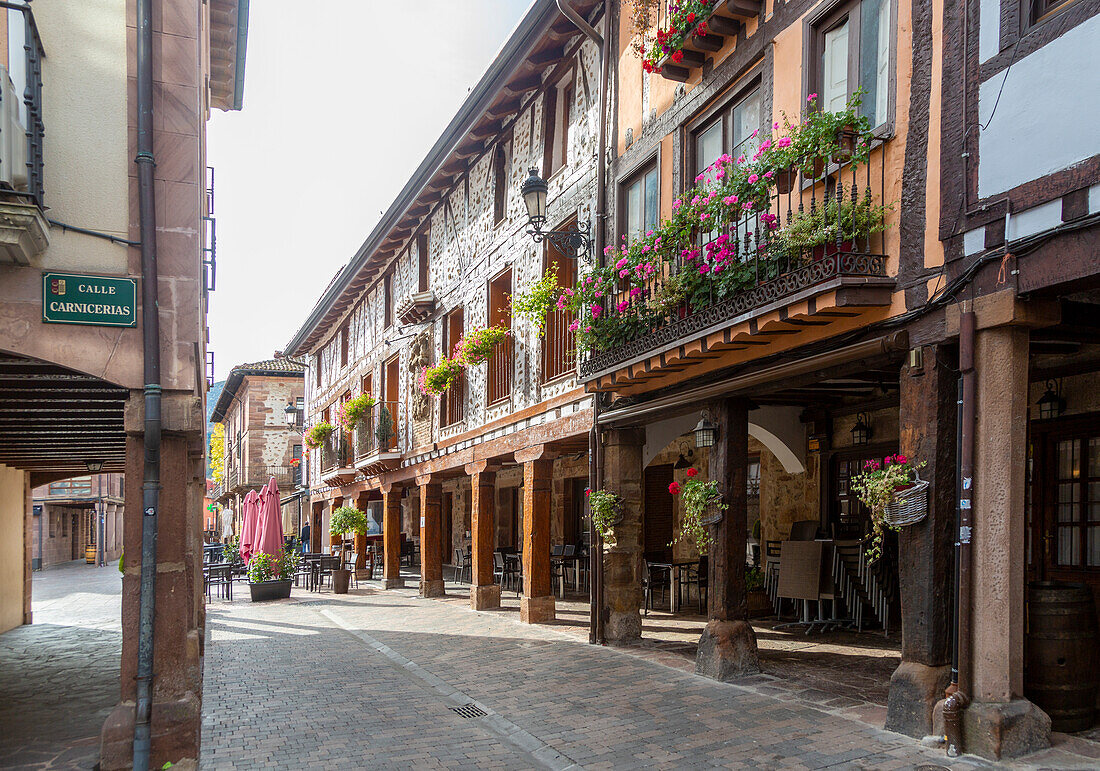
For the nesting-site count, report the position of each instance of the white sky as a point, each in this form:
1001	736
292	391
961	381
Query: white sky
342	100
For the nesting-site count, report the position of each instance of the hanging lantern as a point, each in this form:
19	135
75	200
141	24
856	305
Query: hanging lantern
1051	403
706	433
861	431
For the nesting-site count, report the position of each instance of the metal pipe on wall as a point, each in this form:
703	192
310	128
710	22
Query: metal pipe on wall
150	332
958	697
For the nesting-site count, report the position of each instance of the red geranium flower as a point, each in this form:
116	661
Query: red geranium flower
587	491
674	488
691	18
677	56
692	472
902	459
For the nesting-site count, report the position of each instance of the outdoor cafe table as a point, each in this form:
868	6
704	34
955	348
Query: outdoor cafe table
563	560
674	568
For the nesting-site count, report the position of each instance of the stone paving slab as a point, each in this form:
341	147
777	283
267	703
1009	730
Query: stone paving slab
369	678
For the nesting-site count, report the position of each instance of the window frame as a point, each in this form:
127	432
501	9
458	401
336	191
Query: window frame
423	242
502	161
721	111
555	318
557	115
814	28
387	299
1029	19
495	316
637	171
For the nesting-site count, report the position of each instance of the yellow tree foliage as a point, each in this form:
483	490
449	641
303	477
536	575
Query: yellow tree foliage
217	453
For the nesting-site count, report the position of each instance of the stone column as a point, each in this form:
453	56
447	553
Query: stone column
927	433
537	604
622	570
484	593
431	566
999	721
727	647
391	537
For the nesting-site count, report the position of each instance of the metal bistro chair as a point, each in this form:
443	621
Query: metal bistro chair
504	572
656	577
328	563
350	560
463	565
697	576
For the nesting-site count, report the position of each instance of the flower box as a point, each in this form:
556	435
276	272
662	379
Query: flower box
263	591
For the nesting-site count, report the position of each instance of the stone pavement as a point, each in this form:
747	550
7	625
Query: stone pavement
59	675
380	679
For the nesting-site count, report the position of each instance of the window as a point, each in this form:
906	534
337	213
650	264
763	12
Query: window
1077	502
296	467
559	344
422	261
733	130
753	476
344	346
500	362
1038	10
640	203
72	487
452	406
317	370
852	47
387	301
557	118
501	162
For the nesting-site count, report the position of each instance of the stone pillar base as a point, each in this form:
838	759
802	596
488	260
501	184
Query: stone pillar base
1000	730
485	597
622	628
914	690
432	589
727	650
393	583
175	734
536	610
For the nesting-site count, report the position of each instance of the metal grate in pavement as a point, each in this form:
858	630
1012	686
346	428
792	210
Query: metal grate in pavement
469	710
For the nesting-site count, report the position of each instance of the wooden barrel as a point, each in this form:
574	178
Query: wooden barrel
1062	669
89	554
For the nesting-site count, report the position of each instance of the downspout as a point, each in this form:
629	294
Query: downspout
595	471
150	332
958	693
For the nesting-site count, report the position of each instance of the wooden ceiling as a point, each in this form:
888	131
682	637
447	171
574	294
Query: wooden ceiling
54	420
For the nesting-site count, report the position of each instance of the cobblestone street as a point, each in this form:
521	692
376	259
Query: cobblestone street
378	679
59	676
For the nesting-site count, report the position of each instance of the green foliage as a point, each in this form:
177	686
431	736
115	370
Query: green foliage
317	434
536	303
217	453
820	226
280	567
477	345
606	511
357	409
754	579
877	487
435	381
231	549
348	519
697	497
384	431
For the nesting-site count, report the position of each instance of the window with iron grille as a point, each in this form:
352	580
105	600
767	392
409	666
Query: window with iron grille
500	315
452	406
559	345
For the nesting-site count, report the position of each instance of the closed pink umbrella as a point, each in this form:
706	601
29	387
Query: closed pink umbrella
249	509
269	521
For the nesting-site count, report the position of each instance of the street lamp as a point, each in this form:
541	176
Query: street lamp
94	466
1051	403
706	433
861	432
291	415
534	198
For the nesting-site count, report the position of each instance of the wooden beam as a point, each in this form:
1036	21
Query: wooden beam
711	42
723	25
503	109
741	9
675	72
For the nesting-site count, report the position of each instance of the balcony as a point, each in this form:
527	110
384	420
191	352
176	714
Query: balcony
726	21
24	232
336	466
787	290
376	440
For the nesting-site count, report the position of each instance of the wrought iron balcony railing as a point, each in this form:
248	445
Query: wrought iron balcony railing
378	432
335	452
825	228
22	129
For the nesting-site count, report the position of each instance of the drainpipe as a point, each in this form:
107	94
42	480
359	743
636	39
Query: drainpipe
150	331
595	461
958	693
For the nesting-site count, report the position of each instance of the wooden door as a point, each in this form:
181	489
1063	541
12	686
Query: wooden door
392	398
1065	534
447	530
658	518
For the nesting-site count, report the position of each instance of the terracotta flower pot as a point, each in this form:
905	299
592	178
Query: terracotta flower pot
829	249
846	143
785	180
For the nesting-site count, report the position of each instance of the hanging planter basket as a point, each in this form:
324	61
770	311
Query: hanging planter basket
909	506
712	514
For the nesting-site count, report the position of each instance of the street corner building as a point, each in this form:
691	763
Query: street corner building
106	259
799	239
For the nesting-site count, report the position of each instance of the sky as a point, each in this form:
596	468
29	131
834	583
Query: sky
342	101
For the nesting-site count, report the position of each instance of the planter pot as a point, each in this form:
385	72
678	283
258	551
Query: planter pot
785	180
758	604
910	504
846	144
340	580
269	590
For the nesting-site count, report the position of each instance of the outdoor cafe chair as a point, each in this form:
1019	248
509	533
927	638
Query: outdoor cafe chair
352	558
695	575
657	577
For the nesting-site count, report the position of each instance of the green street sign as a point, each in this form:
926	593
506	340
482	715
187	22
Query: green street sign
98	301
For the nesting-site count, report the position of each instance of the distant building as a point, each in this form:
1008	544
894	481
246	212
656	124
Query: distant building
67	518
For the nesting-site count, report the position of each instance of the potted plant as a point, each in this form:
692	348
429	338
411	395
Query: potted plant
384	431
434	381
701	506
756	598
538	301
345	520
891	483
815	231
606	513
354	411
477	346
231	550
269	577
317	434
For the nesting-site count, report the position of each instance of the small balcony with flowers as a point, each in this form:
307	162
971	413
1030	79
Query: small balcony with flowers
334	443
688	32
376	434
764	254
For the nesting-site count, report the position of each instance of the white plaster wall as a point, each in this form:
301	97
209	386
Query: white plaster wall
1048	117
989	34
84	112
